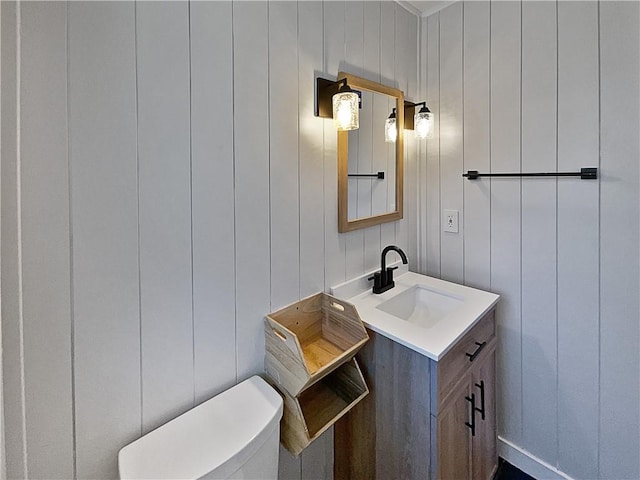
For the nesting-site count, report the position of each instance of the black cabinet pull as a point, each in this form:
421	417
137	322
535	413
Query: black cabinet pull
481	409
472	425
472	356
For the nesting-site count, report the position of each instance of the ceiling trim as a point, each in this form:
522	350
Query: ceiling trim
424	8
409	7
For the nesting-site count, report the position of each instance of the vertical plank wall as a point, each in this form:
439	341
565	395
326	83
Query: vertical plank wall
212	197
538	228
545	86
164	185
619	282
104	231
578	237
3	462
450	121
10	261
43	126
164	210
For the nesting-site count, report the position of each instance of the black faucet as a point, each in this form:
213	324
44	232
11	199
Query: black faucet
383	280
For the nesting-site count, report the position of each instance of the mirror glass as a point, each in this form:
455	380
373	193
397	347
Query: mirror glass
370	155
370	169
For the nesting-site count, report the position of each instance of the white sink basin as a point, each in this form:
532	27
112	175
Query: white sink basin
425	314
422	305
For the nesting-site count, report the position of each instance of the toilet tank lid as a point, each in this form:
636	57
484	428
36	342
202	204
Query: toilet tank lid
229	428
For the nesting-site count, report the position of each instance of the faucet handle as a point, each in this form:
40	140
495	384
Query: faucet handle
377	280
389	276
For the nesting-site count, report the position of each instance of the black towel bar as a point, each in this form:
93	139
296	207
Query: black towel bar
379	175
589	173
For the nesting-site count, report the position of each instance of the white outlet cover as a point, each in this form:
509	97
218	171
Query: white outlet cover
450	221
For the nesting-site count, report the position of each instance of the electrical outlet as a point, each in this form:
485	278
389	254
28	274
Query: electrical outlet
450	221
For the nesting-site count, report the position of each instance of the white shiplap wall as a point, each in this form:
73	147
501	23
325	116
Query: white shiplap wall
164	185
545	86
3	462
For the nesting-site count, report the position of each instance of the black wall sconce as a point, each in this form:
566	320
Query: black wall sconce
391	128
339	101
420	121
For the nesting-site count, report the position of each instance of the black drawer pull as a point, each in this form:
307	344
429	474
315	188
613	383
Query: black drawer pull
481	409
472	425
472	356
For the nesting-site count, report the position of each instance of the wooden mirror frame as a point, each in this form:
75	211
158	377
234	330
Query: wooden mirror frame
344	224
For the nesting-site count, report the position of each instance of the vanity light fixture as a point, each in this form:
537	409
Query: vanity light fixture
338	101
391	128
420	121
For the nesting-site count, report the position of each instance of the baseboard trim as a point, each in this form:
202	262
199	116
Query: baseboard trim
529	463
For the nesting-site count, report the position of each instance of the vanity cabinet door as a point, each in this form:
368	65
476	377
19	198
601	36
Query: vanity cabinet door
467	442
484	444
454	435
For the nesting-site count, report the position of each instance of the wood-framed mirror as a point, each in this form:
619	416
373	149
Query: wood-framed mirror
370	170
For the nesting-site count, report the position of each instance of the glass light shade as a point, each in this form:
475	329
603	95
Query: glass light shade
345	110
422	123
390	130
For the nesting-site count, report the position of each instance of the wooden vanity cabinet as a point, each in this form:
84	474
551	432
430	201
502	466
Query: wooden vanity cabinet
417	421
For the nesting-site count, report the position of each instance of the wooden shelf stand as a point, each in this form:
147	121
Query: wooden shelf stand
309	358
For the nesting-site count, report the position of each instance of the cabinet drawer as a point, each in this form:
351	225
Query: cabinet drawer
467	351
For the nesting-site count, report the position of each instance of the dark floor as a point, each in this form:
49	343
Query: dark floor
506	471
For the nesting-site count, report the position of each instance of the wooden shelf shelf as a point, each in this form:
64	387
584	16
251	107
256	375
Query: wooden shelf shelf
309	339
311	413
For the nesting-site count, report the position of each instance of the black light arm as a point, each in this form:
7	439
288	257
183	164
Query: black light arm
409	113
325	90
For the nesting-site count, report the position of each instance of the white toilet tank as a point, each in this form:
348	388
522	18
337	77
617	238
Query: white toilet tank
235	435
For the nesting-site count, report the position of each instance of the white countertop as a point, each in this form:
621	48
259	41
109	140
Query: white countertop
433	341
